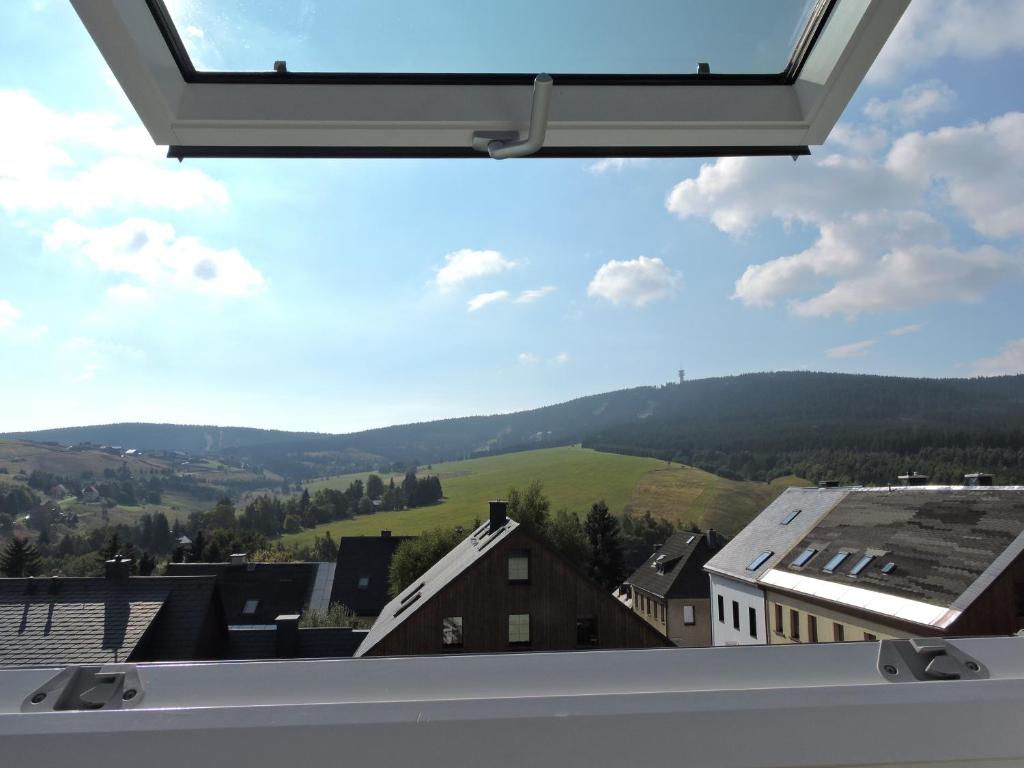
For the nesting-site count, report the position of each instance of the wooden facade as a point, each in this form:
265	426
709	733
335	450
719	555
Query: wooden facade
555	595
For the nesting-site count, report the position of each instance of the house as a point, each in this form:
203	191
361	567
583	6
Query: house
361	576
114	618
253	595
90	494
670	591
285	639
737	599
502	589
907	561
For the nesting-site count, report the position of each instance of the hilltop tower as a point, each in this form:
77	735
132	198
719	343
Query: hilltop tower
682	375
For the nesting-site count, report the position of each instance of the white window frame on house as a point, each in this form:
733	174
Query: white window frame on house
689	615
519	566
519	629
284	114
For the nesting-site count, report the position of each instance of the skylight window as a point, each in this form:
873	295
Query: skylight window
250	607
690	540
759	561
861	564
791	516
804	557
888	568
584	37
836	560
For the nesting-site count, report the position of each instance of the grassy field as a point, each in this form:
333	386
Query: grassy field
573	478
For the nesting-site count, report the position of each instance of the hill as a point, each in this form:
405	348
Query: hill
573	478
854	428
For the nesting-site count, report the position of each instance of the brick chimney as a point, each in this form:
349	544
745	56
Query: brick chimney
117	569
499	514
287	636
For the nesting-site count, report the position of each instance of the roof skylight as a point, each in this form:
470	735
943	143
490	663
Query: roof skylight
861	564
597	37
835	561
804	557
759	561
791	517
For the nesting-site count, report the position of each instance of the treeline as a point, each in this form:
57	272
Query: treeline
119	486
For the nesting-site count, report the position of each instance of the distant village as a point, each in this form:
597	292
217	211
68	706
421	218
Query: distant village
820	564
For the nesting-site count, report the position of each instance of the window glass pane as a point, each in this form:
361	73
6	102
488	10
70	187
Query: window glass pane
250	606
752	619
804	557
460	36
759	561
364	582
519	628
838	632
790	517
735	615
794	624
861	564
519	566
721	609
688	616
835	561
451	631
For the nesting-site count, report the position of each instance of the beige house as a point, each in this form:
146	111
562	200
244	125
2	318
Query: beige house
670	590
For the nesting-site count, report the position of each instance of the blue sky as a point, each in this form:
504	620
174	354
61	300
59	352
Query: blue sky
340	295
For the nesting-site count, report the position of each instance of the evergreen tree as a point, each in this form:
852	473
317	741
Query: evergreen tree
374	487
20	558
529	508
146	564
606	562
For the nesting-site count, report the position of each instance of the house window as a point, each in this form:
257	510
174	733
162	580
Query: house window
721	609
586	630
688	615
812	629
752	618
519	629
364	582
870	637
451	632
250	607
519	566
794	624
837	632
735	615
778	619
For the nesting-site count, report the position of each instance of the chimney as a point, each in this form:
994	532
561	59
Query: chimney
978	478
287	636
385	534
711	536
913	479
239	558
499	515
657	547
117	569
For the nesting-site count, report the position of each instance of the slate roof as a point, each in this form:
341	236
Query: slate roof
364	556
63	621
947	543
766	532
681	559
443	572
279	588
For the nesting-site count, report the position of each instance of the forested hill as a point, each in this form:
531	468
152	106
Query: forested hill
854	428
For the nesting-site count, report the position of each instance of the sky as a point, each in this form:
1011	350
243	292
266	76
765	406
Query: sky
340	295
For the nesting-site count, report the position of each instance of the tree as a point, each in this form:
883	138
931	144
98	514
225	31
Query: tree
565	533
292	524
413	557
602	530
337	615
529	508
365	506
223	515
146	564
325	550
6	523
20	558
409	488
374	487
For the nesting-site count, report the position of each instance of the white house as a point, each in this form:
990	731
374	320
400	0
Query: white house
737	601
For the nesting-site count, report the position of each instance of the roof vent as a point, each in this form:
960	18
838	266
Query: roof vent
913	479
978	478
118	569
499	515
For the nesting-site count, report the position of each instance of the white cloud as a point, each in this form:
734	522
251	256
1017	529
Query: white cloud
979	167
155	254
636	282
88	161
616	164
534	294
913	105
128	293
562	358
88	373
906	329
481	300
8	314
193	31
528	358
878	247
856	349
967	29
467	264
1009	361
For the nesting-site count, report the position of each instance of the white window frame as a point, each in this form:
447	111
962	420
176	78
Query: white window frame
689	615
516	624
267	115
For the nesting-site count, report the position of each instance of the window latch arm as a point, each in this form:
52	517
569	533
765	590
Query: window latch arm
500	145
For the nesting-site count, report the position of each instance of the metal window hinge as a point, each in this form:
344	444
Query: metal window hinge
502	144
927	659
112	686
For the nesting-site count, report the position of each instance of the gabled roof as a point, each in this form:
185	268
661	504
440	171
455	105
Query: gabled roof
444	571
277	588
768	532
947	544
64	621
366	557
674	570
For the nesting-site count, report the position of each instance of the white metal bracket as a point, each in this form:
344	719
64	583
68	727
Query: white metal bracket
502	144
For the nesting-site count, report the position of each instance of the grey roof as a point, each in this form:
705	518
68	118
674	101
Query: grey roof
278	588
97	620
442	573
364	557
674	570
314	643
766	533
948	543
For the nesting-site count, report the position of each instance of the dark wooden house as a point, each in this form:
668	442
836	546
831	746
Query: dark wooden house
502	589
